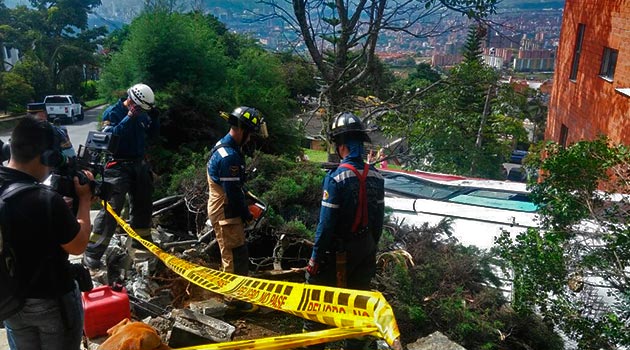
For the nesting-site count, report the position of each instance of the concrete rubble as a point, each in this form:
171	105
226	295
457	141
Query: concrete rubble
434	341
151	302
190	325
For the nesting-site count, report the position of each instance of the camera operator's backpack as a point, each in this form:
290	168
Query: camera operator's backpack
10	302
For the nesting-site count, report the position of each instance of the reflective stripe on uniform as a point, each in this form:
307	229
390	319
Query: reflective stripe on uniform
222	152
344	175
229	179
330	205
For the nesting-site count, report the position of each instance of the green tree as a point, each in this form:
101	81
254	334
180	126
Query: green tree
299	75
56	34
182	59
257	80
115	39
379	82
574	269
424	71
36	74
196	74
15	92
341	37
472	48
512	107
451	127
536	112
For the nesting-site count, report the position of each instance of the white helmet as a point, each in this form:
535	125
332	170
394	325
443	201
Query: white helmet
142	95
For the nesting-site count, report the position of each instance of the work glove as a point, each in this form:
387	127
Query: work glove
255	210
312	267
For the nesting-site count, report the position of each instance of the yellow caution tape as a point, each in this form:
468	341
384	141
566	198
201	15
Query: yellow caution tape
347	309
291	341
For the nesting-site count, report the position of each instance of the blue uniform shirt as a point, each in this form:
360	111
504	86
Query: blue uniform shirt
226	167
132	131
339	205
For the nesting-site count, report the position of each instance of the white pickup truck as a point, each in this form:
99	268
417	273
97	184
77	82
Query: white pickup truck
64	107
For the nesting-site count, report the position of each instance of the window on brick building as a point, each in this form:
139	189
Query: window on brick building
564	135
609	61
578	50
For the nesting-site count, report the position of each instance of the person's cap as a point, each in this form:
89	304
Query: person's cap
35	107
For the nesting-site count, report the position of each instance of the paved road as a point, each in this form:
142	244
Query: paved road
78	131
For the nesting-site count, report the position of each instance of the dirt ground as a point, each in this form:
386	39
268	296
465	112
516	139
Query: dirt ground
261	324
265	322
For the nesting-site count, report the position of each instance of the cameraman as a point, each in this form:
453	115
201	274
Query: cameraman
43	232
133	119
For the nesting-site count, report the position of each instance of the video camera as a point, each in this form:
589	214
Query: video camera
93	156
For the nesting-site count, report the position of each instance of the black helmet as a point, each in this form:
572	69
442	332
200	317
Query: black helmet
345	126
246	118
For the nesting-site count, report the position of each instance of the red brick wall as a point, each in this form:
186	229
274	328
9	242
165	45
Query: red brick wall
590	106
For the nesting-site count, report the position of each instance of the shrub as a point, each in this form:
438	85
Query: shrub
448	289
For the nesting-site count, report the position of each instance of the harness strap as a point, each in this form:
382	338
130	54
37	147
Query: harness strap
361	216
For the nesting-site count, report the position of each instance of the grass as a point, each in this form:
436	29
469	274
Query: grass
316	156
94	103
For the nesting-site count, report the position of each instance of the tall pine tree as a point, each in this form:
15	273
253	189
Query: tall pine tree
472	48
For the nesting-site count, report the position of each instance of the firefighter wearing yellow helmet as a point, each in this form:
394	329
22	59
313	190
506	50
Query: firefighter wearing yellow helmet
227	209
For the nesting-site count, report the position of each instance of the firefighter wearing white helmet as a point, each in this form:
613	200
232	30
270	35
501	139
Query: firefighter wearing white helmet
135	120
350	219
227	209
142	96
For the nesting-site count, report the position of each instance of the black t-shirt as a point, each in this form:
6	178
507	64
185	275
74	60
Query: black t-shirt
41	222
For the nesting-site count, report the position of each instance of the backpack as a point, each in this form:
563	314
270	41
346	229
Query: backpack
10	301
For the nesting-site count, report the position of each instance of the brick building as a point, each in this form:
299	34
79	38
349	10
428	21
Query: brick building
446	60
591	90
535	54
533	64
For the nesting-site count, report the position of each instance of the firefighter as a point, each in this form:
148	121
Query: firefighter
227	209
350	220
133	119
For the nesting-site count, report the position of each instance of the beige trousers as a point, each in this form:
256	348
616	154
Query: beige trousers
230	233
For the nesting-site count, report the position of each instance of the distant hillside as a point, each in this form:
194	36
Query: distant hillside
240	5
235	5
114	13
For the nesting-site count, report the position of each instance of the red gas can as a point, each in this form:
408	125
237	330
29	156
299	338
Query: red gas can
104	308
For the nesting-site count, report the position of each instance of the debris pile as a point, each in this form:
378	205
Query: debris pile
182	313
